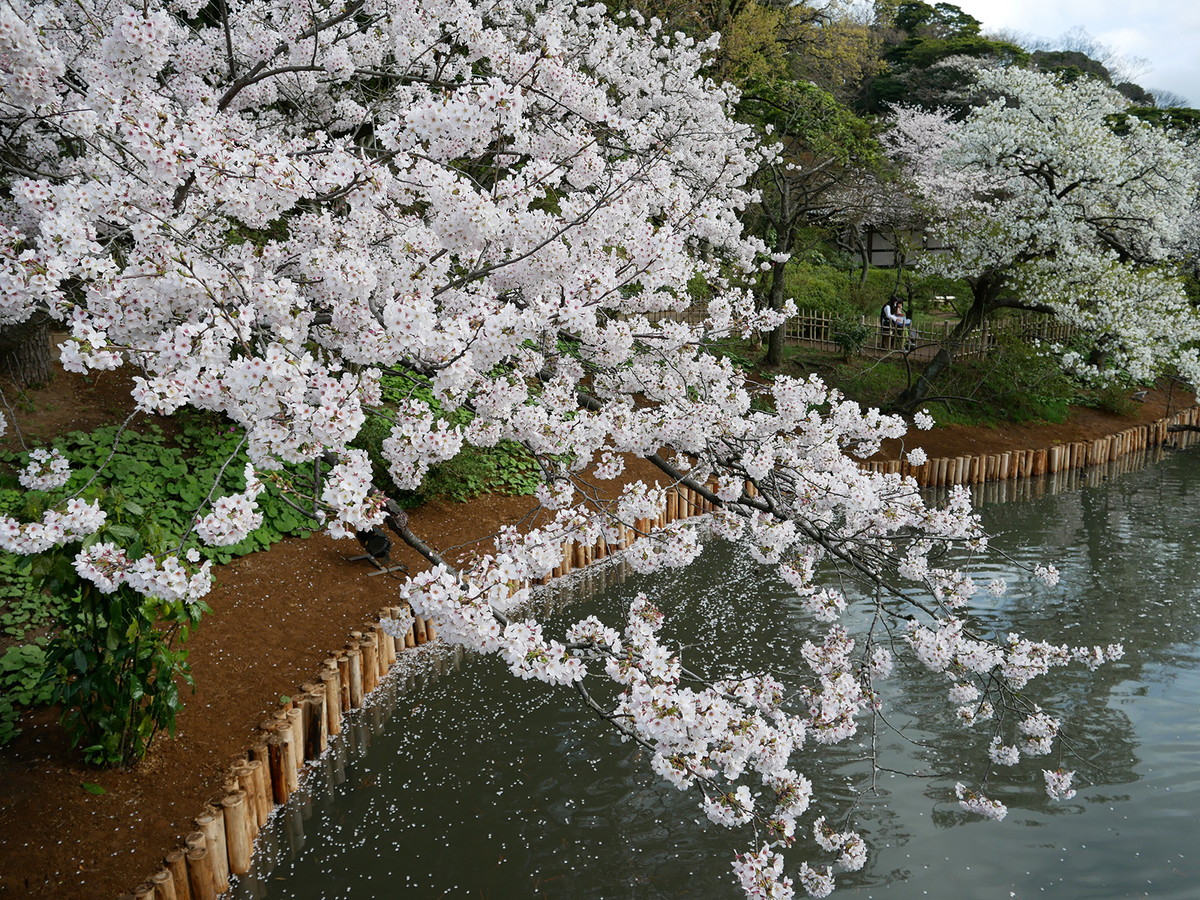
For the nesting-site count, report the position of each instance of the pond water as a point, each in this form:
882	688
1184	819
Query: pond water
462	782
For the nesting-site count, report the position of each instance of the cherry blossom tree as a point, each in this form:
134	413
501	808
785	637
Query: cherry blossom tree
264	206
1046	207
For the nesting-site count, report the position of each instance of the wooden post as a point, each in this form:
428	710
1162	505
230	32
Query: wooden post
419	627
279	779
295	720
176	862
346	698
237	830
399	611
144	891
247	785
333	707
213	828
317	737
259	792
387	647
164	885
430	630
200	874
331	684
356	677
370	663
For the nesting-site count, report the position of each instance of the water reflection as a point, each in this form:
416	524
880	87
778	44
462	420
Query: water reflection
481	786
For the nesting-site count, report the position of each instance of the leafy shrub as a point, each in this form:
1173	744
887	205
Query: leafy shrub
1114	398
1015	382
115	662
506	468
850	333
153	487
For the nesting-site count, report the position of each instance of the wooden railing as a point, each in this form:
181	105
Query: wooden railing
826	331
820	329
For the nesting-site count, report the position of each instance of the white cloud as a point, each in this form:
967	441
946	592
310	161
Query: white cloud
1163	32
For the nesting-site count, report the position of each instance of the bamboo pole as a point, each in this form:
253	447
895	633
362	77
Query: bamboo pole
238	832
200	874
213	828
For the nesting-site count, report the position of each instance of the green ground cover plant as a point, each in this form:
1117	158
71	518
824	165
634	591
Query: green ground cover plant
115	658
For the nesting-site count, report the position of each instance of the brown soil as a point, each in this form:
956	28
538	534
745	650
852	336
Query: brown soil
276	615
1083	424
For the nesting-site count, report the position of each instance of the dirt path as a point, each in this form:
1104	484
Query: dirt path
276	615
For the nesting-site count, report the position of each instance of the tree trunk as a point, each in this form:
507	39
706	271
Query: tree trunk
986	292
25	351
776	299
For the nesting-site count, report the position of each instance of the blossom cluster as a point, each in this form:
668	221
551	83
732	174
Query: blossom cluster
47	470
1037	195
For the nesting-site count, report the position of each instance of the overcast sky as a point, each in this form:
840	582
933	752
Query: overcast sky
1165	33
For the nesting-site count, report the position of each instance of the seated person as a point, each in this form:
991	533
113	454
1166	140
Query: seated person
893	314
